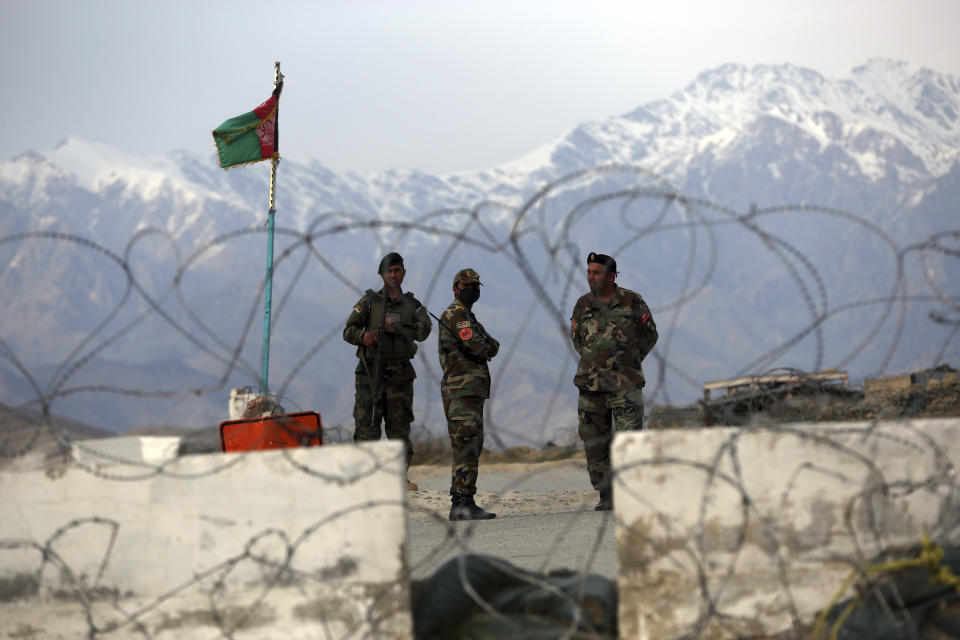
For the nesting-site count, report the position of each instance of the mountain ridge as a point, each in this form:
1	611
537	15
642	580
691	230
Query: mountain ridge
675	180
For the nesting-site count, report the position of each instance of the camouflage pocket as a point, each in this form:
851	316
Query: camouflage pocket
627	409
590	330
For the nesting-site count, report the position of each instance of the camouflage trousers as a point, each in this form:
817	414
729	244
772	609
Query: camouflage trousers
600	414
394	408
465	425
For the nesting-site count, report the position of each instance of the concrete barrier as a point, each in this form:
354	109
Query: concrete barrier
726	533
300	543
129	449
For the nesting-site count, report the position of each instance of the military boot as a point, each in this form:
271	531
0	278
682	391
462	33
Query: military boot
606	500
464	508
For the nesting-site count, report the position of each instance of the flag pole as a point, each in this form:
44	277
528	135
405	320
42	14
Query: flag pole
268	292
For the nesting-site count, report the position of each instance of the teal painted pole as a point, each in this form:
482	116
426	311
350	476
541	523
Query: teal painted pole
268	291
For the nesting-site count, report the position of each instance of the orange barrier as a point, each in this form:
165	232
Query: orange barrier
273	432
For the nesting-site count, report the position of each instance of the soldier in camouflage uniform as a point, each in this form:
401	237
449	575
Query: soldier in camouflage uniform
613	331
465	347
406	321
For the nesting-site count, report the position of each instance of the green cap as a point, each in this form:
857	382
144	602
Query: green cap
467	277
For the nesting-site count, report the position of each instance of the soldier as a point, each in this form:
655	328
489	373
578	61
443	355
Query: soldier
465	347
613	331
405	320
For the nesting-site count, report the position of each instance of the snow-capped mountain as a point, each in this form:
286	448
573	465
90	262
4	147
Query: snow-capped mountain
685	196
887	116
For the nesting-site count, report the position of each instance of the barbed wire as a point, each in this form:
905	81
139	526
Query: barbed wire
536	251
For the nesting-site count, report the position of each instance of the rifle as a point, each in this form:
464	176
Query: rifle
442	323
378	363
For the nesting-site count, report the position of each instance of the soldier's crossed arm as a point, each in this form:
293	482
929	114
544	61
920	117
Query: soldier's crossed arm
493	346
472	338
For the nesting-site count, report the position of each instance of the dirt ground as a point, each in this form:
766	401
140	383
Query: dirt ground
507	488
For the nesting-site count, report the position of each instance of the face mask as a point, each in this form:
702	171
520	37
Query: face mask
469	295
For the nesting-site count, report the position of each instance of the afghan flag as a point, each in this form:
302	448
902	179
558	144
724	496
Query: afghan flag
250	137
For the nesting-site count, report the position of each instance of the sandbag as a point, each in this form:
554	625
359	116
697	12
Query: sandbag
904	593
562	603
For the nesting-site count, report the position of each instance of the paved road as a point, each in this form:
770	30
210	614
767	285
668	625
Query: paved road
580	539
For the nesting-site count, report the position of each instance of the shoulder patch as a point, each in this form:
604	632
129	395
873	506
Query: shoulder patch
356	309
466	333
464	324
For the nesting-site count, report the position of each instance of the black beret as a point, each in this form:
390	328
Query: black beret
604	259
389	260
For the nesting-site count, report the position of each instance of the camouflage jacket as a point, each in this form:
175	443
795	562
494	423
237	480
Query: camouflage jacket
411	324
465	347
612	339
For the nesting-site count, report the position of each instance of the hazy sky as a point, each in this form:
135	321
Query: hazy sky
435	85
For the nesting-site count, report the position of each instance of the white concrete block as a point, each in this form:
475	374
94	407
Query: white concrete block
298	543
727	532
129	449
240	396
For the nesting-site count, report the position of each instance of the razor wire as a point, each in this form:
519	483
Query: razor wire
539	241
205	339
713	569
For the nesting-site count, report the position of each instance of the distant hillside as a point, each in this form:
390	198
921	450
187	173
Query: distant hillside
27	439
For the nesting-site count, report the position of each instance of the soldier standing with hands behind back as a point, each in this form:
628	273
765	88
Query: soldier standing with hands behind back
465	347
405	320
613	331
